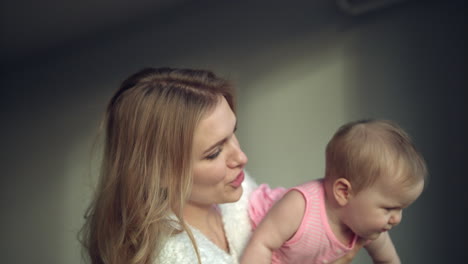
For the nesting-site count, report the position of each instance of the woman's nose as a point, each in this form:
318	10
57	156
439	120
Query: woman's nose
237	157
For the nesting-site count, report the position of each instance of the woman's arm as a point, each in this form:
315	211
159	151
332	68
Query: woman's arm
382	250
279	225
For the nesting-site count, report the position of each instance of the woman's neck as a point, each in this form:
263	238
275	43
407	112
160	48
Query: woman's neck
196	214
208	220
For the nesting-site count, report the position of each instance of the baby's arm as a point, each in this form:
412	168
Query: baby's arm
382	250
279	225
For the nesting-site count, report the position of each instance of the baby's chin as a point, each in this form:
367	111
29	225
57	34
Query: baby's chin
373	236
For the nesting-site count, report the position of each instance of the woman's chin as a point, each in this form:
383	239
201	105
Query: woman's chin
234	195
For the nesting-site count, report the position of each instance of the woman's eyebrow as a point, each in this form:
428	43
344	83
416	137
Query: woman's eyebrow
220	142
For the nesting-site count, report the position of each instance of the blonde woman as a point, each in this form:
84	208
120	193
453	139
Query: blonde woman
172	186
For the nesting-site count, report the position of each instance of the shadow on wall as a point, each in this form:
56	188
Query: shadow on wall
411	68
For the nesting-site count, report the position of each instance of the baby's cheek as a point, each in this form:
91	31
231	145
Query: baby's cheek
383	221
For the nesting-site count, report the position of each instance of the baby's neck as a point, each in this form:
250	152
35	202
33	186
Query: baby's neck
339	229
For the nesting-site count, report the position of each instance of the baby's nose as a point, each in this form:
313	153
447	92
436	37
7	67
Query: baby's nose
395	219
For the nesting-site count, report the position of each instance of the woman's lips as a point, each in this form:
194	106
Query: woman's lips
238	180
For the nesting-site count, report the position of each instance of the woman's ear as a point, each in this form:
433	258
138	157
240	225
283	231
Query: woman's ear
342	191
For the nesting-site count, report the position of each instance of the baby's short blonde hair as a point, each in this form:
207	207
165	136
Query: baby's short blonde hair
364	150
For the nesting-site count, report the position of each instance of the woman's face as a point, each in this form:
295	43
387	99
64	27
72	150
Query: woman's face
218	160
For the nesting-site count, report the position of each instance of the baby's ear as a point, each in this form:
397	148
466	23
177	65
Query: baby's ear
342	191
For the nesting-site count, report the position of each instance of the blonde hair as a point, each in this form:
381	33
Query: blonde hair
364	150
146	172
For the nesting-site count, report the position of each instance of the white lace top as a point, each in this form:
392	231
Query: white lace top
179	249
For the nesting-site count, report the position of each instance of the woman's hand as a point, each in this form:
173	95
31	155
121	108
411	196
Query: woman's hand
346	259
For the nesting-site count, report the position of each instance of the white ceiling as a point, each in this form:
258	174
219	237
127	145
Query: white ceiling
29	27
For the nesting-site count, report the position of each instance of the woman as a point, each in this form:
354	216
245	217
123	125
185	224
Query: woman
172	186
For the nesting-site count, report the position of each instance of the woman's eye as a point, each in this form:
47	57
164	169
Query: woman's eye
214	155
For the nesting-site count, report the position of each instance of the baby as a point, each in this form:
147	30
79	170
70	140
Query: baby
373	171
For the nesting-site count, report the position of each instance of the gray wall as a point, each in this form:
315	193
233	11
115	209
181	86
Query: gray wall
302	69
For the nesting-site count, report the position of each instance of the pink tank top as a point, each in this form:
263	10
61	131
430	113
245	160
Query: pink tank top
314	241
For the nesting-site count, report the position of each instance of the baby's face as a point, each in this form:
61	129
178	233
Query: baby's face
378	208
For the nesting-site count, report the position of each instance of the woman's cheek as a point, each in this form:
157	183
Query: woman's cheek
218	172
210	174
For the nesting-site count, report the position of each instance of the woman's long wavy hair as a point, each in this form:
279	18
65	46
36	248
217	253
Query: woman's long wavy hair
146	171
